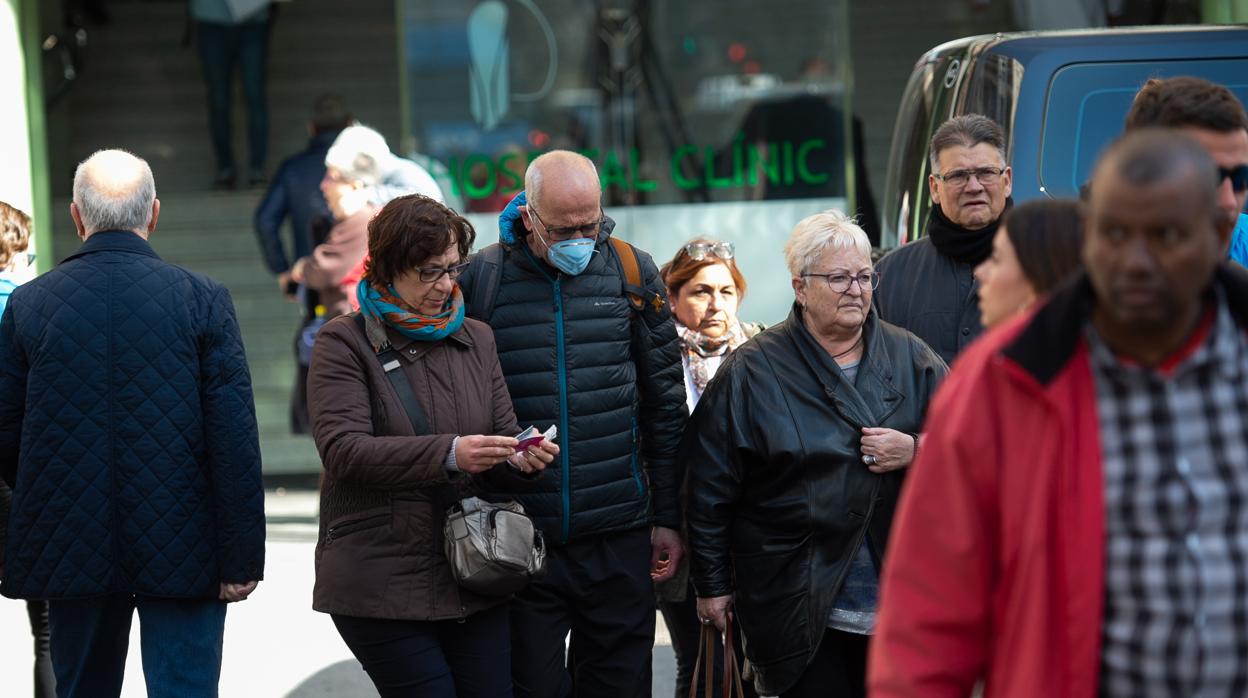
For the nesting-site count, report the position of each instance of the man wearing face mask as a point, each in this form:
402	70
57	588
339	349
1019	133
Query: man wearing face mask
577	355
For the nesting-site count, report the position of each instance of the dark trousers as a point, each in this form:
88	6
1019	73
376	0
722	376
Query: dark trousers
433	659
181	642
221	48
600	590
45	678
685	628
838	669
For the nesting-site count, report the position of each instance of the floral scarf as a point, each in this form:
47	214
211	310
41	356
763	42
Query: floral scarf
698	348
386	306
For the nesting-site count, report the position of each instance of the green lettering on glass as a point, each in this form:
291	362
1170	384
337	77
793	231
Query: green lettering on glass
678	164
738	160
787	160
708	156
612	172
513	182
487	185
802	170
634	166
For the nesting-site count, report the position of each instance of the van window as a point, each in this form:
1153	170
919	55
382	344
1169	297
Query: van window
1087	103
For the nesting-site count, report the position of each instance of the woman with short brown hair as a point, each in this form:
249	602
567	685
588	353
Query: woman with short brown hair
380	568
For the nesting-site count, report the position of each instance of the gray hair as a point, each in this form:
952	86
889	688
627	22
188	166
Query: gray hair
360	154
814	235
968	131
114	190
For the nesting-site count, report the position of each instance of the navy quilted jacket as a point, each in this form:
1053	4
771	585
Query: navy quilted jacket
615	387
127	431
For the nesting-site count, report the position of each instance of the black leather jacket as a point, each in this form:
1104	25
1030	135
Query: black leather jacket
778	500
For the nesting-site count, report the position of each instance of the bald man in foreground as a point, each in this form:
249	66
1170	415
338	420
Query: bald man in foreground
577	356
1075	522
128	434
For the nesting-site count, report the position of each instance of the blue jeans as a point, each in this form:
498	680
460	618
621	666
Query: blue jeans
433	659
181	643
222	47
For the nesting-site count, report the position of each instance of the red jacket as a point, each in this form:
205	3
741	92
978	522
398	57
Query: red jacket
996	567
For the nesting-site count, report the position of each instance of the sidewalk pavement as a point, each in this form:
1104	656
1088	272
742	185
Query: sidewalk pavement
276	646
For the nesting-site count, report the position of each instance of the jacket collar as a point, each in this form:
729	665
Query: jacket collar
378	332
1049	339
114	241
869	400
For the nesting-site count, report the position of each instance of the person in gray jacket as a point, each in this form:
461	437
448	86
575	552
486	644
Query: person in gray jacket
928	286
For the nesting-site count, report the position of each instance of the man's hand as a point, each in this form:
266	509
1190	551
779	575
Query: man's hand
666	550
236	592
478	453
715	609
886	449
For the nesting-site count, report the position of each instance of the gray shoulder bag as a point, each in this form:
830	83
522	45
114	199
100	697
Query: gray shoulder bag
493	547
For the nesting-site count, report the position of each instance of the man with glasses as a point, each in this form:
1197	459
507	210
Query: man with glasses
1075	522
928	286
1212	115
577	354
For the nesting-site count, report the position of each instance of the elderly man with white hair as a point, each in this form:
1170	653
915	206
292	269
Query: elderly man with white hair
128	435
361	176
795	458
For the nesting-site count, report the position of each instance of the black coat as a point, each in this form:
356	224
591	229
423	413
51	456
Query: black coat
572	356
127	431
931	295
778	499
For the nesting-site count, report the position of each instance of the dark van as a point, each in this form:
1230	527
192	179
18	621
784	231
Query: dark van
1060	96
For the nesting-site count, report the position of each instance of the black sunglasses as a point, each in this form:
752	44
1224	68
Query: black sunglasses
1238	176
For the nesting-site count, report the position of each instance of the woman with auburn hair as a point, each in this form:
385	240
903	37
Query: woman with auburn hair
705	288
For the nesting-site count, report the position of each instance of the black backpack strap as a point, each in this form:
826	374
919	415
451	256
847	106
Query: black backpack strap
390	363
487	272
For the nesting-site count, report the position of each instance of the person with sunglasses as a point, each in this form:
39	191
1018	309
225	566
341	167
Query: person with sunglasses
705	288
1212	115
795	459
928	285
380	569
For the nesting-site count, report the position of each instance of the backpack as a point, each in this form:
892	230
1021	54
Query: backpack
490	275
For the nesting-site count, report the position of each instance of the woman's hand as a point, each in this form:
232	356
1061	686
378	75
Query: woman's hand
534	459
478	453
715	609
886	449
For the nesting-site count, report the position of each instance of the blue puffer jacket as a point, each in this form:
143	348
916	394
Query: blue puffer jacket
572	357
127	431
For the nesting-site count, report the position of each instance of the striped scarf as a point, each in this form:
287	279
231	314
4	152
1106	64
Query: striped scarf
386	306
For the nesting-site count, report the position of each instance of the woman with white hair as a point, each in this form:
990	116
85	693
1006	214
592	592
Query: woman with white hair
354	168
795	458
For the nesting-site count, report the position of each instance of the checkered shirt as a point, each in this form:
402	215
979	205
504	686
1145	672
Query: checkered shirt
1175	458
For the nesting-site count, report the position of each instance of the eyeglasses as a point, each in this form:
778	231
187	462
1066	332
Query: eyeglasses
431	274
840	282
565	232
698	251
1238	176
987	176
